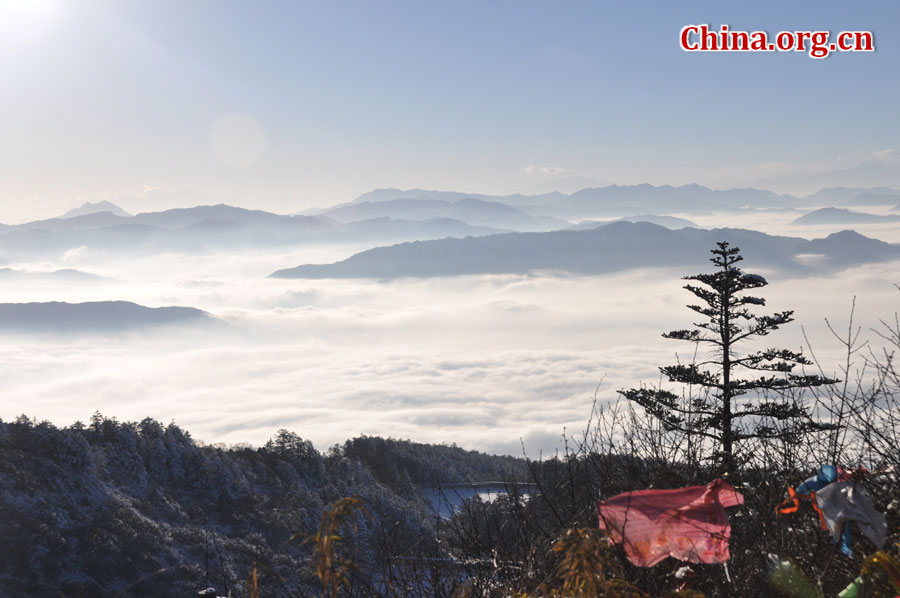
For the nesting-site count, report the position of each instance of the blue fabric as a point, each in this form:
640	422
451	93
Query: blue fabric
825	475
845	540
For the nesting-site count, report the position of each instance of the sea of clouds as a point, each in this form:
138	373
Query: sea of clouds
493	363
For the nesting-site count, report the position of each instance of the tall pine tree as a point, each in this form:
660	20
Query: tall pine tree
741	396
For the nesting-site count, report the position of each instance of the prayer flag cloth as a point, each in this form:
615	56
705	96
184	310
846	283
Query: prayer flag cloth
843	502
689	524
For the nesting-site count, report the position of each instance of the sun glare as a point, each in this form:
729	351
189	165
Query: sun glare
23	21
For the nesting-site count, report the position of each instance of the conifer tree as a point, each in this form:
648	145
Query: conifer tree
741	395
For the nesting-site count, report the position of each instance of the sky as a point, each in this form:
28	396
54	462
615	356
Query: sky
289	105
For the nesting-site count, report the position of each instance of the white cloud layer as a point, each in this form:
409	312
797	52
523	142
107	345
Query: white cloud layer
485	362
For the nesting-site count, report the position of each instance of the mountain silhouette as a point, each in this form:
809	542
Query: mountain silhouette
92	208
614	247
472	211
666	221
843	216
94	316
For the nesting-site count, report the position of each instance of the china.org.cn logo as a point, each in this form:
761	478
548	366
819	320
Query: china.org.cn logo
818	44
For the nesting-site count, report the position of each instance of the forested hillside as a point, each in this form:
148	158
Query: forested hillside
141	509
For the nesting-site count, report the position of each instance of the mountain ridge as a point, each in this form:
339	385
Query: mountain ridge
91	208
843	216
610	248
94	316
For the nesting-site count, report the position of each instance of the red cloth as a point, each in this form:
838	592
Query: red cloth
689	524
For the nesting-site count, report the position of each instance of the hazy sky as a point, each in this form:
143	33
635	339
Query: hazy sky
287	105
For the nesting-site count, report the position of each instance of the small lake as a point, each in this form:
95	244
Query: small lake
447	498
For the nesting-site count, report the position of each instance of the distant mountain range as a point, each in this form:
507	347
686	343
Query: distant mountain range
380	229
95	316
387	216
666	221
870	173
93	208
175	219
843	216
605	202
615	247
871	198
222	226
476	212
851	195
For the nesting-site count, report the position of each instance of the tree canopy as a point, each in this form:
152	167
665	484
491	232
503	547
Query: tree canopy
732	397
